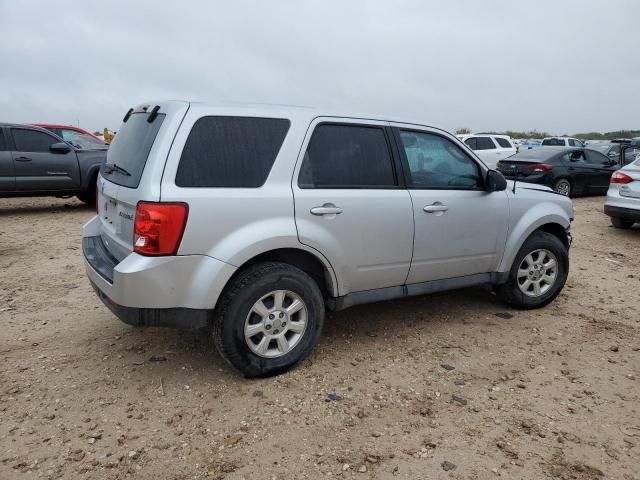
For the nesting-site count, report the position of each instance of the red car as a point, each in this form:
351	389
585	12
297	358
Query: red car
65	131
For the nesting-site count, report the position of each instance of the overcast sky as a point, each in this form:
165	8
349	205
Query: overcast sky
560	66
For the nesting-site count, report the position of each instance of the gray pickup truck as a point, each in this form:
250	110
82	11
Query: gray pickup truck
36	162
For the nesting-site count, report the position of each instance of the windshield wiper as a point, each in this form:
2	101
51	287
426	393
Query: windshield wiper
115	168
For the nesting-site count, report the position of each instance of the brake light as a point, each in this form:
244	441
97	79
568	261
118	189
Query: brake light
498	166
541	167
619	177
158	227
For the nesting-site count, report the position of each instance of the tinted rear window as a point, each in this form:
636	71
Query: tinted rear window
346	156
503	142
231	152
130	149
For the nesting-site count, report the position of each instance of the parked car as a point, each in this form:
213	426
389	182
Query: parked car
612	151
569	171
490	148
65	131
36	162
561	142
254	220
623	196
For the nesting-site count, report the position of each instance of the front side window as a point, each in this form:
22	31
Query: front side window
484	143
32	140
503	142
471	142
572	142
347	156
436	162
230	152
596	157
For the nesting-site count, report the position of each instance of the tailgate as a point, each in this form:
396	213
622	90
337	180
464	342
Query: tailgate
133	170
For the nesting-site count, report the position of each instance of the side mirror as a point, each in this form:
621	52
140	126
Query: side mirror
60	147
495	181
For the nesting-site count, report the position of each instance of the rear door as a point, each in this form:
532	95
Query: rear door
7	175
350	204
37	168
460	228
603	168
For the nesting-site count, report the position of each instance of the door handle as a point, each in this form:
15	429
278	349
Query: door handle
435	208
23	159
326	209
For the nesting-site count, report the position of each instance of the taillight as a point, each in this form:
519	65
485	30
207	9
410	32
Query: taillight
159	227
619	177
498	166
541	167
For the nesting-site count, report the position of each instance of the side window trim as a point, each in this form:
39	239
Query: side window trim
405	162
398	173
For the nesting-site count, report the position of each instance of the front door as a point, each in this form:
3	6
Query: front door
37	168
460	228
7	176
350	206
603	167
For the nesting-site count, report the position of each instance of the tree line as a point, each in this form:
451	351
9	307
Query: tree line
540	135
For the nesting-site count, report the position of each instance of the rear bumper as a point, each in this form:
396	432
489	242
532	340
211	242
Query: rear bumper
622	213
170	291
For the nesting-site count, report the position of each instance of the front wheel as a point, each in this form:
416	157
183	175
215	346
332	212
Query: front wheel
538	273
268	319
619	223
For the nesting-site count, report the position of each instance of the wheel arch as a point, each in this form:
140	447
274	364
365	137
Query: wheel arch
312	263
556	224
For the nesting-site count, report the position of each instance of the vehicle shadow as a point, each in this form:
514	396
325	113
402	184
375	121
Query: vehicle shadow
30	208
371	324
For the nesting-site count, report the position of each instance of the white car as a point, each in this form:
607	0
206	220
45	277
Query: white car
490	148
623	197
562	142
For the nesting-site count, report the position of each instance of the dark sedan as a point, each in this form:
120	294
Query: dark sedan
569	171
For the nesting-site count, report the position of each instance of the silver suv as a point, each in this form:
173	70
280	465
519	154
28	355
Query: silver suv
254	220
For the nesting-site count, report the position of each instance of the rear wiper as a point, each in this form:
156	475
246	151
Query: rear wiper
115	168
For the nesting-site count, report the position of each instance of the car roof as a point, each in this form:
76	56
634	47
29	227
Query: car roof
55	125
283	111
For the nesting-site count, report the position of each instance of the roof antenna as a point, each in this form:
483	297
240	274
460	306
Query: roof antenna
515	180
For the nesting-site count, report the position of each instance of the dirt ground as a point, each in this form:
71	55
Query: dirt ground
452	385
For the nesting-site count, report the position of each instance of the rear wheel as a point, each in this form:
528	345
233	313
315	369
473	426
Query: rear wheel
563	186
89	197
538	273
268	319
620	223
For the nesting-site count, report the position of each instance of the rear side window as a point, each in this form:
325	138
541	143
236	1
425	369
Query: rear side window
484	143
130	148
231	152
347	156
32	140
503	142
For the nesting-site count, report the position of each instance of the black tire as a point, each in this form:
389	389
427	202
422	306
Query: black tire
236	302
620	223
89	197
563	186
510	292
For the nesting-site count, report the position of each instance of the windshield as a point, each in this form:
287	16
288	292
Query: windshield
86	142
130	148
